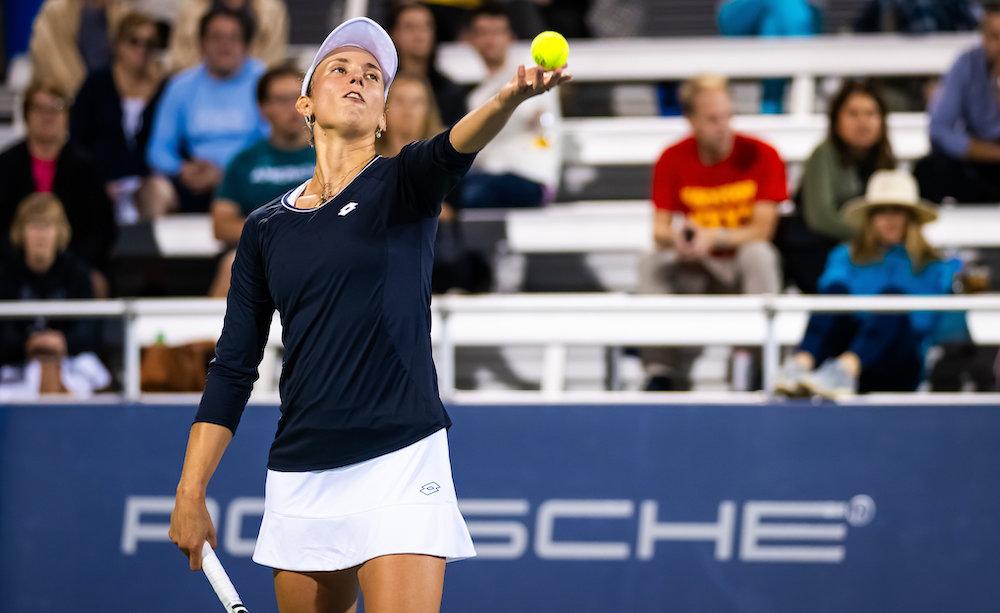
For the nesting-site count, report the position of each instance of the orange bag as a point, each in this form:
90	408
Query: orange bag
180	368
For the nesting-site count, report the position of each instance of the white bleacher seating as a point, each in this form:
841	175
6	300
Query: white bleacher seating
657	59
626	226
186	235
639	141
804	60
595	227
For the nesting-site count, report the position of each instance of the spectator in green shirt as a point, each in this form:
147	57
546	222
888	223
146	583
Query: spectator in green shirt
856	145
265	170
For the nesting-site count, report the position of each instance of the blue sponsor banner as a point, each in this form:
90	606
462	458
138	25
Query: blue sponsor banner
777	508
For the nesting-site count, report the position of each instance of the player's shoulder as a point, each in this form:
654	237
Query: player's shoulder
265	213
382	166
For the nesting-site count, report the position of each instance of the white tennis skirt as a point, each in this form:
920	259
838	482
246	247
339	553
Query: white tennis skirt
400	502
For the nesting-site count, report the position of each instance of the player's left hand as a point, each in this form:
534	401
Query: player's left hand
530	82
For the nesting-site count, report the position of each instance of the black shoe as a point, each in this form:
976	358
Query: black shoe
660	383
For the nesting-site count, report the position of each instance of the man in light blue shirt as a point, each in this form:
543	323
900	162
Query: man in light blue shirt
208	113
965	124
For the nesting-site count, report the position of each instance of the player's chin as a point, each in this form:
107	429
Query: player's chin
349	126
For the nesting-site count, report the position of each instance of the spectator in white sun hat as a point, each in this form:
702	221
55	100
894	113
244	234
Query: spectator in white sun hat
889	255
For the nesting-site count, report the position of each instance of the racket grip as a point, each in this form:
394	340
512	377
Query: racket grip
217	576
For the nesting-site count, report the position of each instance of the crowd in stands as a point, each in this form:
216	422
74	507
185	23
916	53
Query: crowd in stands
125	123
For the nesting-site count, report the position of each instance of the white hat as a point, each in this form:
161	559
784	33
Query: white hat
890	188
363	33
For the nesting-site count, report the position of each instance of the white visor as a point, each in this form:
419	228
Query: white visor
365	34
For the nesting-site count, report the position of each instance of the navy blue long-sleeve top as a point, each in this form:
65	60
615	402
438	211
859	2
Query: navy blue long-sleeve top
351	281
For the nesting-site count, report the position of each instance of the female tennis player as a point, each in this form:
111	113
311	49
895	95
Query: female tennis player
359	490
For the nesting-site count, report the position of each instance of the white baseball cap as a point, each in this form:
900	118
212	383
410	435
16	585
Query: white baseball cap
365	34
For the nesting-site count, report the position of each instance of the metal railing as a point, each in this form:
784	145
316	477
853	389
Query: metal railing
555	322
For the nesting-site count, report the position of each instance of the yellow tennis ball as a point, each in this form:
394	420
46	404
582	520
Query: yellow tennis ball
550	50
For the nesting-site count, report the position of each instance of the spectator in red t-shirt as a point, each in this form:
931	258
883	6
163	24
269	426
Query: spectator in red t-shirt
715	195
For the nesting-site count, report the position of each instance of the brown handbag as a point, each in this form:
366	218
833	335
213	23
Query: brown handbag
179	368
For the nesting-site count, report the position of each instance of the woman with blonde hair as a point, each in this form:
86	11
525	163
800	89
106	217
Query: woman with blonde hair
866	352
40	268
411	114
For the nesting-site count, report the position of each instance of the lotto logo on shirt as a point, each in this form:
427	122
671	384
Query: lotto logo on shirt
729	205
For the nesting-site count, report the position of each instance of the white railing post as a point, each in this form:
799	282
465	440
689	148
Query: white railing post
131	363
802	97
554	370
446	363
771	349
552	322
355	8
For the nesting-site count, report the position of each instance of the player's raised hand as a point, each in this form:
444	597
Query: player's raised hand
528	82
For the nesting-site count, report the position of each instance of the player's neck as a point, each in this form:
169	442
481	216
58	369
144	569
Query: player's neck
338	159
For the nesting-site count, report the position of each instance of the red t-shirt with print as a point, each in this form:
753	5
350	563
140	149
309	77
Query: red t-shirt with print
721	195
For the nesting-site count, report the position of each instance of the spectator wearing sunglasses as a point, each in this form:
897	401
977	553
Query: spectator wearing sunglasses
113	114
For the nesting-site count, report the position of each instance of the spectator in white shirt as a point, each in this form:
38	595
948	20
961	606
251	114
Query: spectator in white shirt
520	167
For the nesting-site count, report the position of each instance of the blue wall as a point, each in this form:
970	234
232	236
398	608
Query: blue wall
790	508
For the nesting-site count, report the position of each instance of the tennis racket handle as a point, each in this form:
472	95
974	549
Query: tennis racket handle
220	581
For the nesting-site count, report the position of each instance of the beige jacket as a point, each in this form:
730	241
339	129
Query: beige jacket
269	43
55	57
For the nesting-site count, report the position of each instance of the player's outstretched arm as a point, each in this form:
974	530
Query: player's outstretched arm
476	129
190	523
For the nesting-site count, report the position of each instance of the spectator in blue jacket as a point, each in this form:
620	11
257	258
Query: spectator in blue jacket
866	352
208	113
965	124
769	19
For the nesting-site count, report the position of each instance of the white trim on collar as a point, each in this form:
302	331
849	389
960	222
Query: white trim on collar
288	199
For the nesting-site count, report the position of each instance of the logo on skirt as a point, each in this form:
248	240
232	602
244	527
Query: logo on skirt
430	488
